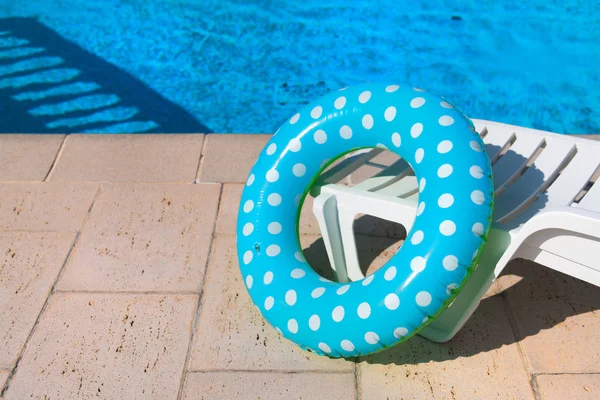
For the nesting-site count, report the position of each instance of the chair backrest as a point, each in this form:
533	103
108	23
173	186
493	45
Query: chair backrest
534	170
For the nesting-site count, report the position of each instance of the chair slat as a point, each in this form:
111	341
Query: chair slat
591	200
535	179
496	140
515	158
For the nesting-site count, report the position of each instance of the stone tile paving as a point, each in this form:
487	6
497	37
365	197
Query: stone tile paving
122	288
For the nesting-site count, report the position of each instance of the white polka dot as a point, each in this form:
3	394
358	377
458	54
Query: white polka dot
345	132
417	102
477	197
279	330
248	229
447	228
299	256
338	314
478	228
445	171
340	102
444	146
272	175
364	310
273	250
416	89
347	345
450	263
476	172
364	96
475	253
274	199
368	280
316	112
399	332
248	206
314	322
371	338
268	278
392	88
250	180
249	281
422	184
274	228
450	287
367	121
446	120
290	297
269	301
318	292
299	170
324	347
298	273
293	326
416	130
294	119
425	319
418	264
421	208
445	104
475	146
390	273
325	162
445	200
343	289
271	149
297	199
417	237
423	299
390	114
320	136
295	145
396	139
392	301
381	146
419	154
247	257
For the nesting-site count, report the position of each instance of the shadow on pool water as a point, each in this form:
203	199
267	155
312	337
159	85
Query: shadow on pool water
51	85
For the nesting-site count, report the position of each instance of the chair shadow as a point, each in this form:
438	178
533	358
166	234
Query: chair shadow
51	85
540	300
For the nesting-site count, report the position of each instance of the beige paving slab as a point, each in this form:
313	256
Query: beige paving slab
131	158
373	253
481	362
266	386
48	206
229	157
111	346
144	237
557	319
560	387
232	334
27	157
29	266
3	377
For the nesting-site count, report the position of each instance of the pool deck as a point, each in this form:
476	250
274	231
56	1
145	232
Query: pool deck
119	280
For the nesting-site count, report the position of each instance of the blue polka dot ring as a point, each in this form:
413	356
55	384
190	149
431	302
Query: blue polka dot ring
440	252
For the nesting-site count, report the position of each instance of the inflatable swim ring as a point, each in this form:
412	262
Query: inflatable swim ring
439	254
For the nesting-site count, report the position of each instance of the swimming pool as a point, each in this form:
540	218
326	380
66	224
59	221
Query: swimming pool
230	66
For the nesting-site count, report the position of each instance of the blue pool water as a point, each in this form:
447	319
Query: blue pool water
231	66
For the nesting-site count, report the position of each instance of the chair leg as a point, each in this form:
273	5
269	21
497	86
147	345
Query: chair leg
326	213
449	322
346	220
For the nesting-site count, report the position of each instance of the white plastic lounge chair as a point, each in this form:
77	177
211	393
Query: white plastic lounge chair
546	210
